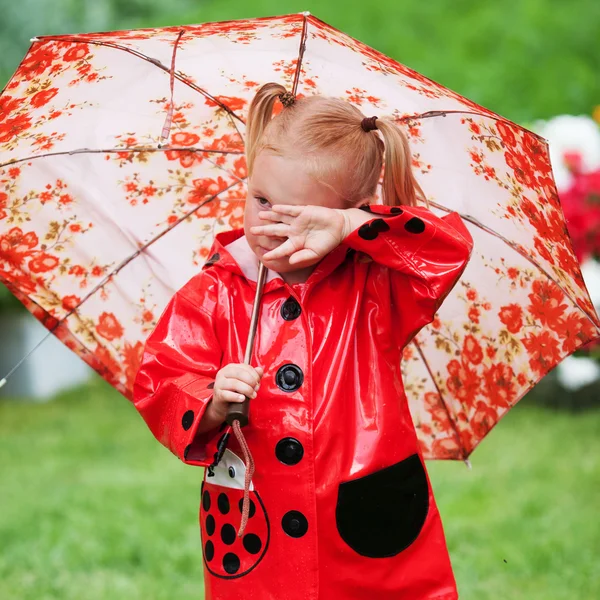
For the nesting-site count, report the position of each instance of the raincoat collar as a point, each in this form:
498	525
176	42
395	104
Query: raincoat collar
231	251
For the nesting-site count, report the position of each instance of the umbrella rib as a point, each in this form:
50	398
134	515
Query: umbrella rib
154	61
463	456
120	150
442	113
109	277
301	51
519	251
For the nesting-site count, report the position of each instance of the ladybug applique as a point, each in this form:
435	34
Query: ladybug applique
225	554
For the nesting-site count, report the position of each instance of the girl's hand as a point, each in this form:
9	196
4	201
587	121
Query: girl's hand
232	384
312	232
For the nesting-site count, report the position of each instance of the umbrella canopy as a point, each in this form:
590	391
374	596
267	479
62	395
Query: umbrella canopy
122	155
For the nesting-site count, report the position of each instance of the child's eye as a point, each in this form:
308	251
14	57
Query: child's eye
263	201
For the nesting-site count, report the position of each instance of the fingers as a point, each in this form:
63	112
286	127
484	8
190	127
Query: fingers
277	230
285	249
287	209
229	396
270	215
244	373
301	256
235	385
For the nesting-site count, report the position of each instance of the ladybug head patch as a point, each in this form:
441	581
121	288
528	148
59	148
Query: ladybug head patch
230	472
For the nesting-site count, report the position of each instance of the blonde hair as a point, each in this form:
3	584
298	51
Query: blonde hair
327	134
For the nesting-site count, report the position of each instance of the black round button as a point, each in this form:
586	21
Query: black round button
206	500
294	523
188	419
223	504
289	451
290	309
289	378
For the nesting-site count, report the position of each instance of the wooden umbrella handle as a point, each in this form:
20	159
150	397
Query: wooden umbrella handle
239	411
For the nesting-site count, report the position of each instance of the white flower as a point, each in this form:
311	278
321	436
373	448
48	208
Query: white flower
568	133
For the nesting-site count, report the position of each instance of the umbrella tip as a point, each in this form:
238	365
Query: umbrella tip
33	39
468	463
306	13
2	382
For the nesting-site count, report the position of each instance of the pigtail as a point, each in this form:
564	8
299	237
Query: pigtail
259	116
399	183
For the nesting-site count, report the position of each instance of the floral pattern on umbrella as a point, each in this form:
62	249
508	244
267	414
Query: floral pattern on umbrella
122	156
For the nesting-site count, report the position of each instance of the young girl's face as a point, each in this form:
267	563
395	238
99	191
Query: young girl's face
279	180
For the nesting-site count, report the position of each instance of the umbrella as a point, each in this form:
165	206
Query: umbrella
122	156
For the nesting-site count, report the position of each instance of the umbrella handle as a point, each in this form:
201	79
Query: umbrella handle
238	411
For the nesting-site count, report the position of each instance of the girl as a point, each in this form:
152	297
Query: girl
341	504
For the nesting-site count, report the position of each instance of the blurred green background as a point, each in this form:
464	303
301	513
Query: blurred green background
92	507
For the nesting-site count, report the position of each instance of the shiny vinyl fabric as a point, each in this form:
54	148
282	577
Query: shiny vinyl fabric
342	506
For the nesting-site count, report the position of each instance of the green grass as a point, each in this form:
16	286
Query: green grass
92	507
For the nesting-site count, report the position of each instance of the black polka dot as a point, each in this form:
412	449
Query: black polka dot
209	551
252	507
252	543
206	500
396	211
210	386
369	231
213	259
414	225
228	534
188	419
223	504
186	451
210	524
231	563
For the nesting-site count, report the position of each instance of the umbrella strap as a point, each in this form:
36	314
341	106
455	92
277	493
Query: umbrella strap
169	118
249	473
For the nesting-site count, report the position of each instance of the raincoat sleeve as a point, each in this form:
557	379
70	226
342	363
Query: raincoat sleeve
425	255
173	385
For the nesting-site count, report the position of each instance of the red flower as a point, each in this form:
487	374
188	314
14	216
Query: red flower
43	263
472	350
132	357
543	251
13	127
483	420
9	104
445	448
15	246
463	382
77	52
543	351
205	189
70	302
231	102
512	316
499	381
42	98
574	330
521	167
506	133
184	138
546	299
77	270
39	60
108	327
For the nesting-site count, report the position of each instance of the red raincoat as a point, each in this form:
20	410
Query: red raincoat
342	506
